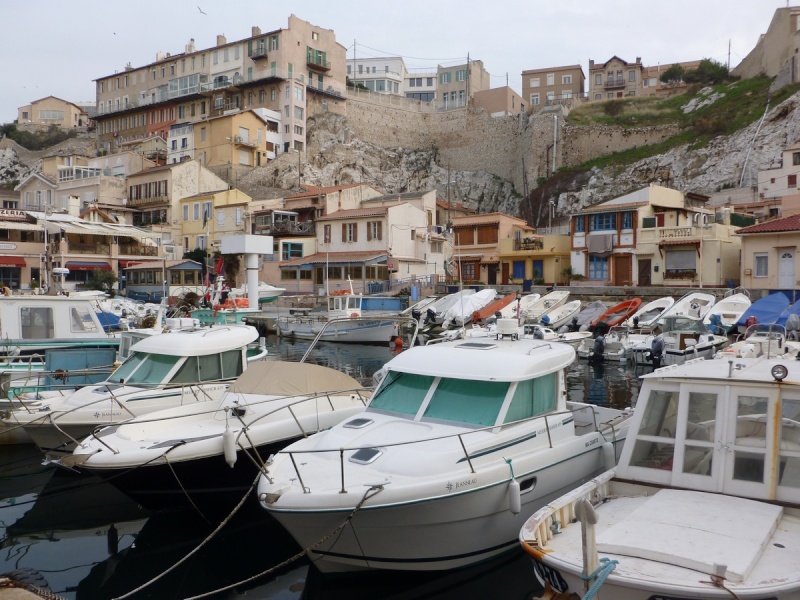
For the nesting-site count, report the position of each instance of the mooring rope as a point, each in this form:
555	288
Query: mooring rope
718	581
367	495
601	574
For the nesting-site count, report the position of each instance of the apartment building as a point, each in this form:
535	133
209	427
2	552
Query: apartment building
384	75
769	254
499	102
421	85
206	218
776	52
652	84
553	85
458	84
615	78
274	70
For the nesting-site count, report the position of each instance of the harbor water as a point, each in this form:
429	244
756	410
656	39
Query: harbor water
82	539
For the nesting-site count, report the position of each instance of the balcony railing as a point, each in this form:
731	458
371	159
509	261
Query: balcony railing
614	84
528	244
239	140
259	53
138	250
318	64
77	248
286	227
151	200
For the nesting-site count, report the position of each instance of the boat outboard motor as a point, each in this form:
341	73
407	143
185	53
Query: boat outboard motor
657	350
598	349
793	327
715	325
574	325
636	322
416	314
430	315
538	334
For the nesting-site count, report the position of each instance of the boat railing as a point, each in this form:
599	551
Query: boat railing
459	437
552	518
397	319
240	412
37	381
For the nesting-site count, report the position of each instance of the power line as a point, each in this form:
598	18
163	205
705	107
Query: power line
410	57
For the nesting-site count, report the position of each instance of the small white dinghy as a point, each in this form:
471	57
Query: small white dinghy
649	313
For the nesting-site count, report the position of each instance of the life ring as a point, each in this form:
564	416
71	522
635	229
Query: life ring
354	315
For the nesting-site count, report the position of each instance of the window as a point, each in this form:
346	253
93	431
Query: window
598	96
374	230
298	113
796	158
792	180
534	99
468	271
566	79
627	220
429	82
761	262
680	262
579	224
598	267
291	250
603	222
598	79
534	82
298	130
348	69
326	234
631	75
461	75
531	398
196	211
518	271
551	78
444	78
349	232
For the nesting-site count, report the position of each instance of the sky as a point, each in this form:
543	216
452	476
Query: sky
62	47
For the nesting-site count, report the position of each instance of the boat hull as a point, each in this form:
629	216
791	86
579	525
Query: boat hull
434	533
354	332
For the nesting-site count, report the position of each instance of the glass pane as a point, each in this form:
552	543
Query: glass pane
187	373
129	366
702	416
660	417
37	323
697	460
748	466
789	471
210	367
466	401
153	369
81	320
654	455
751	421
402	393
231	364
532	397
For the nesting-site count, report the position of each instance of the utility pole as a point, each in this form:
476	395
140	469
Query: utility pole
448	197
729	53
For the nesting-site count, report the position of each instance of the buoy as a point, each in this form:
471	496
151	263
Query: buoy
609	458
354	315
398	342
514	499
229	446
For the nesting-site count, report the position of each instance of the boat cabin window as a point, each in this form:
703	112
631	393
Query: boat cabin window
751	432
467	401
81	320
790	443
36	323
655	443
532	397
144	368
701	420
401	393
212	367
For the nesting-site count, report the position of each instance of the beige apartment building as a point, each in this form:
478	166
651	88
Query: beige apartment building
277	70
769	254
553	85
615	78
499	102
776	53
49	111
458	84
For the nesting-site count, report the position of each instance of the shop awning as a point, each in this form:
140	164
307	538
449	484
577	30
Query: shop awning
12	261
79	265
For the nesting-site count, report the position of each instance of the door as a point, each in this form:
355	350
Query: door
622	269
645	270
505	276
786	270
491	275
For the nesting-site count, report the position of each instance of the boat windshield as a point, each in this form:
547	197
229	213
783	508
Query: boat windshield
682	324
143	368
470	402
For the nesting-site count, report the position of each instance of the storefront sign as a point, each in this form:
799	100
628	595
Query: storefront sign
7	246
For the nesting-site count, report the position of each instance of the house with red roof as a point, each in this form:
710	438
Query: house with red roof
769	254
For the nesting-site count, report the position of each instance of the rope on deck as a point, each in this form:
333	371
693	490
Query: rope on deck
600	575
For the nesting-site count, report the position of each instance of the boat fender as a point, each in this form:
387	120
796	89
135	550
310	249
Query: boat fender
514	499
354	315
229	446
609	458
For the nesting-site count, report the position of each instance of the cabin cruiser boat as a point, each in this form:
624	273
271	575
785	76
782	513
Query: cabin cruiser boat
266	292
343	321
171	369
459	439
684	337
770	341
204	452
704	503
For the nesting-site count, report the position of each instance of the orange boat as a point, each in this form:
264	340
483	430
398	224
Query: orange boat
616	314
491	308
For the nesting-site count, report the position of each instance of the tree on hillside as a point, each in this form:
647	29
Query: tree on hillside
708	72
675	74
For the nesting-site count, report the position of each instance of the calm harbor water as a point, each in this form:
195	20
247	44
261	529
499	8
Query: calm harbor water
87	541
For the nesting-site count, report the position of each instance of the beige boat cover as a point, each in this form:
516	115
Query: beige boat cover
285	378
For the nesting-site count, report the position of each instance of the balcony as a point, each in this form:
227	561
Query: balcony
149	201
528	244
242	141
259	53
137	250
286	228
613	84
97	248
317	64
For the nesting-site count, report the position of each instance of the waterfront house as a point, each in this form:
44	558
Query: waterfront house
769	254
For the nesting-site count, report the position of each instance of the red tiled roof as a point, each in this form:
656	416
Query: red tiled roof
321	258
791	223
312	191
355	213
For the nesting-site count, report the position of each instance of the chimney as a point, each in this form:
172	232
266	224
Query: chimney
221	40
256	30
190	46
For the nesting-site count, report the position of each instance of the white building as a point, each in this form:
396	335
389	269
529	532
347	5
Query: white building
385	75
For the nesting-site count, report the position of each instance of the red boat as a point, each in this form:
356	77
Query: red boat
491	308
616	314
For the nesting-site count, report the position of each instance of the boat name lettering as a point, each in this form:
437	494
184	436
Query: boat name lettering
592	442
99	415
543	430
460	484
546	574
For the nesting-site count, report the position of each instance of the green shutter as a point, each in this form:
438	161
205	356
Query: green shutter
250	48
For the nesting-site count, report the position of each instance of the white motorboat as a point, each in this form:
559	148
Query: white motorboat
510	328
434	312
461	312
684	337
266	292
458	438
516	309
703	503
539	332
343	321
589	313
206	452
172	369
614	346
561	314
649	313
694	304
768	340
723	316
543	304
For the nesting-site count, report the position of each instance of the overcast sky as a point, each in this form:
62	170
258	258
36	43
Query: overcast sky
58	48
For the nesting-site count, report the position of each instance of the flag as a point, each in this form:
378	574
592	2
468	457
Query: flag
205	218
218	268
